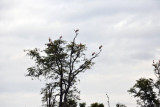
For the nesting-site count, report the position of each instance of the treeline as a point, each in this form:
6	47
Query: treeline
60	63
73	103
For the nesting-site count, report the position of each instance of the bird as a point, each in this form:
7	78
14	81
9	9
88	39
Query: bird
50	39
155	65
100	47
60	37
93	53
80	44
76	30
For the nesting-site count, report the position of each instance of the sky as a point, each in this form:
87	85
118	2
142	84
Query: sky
129	31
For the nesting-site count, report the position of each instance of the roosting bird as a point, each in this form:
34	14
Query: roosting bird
76	30
154	64
93	53
100	47
60	37
50	39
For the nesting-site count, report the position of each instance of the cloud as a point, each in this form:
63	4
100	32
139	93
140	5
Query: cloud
128	31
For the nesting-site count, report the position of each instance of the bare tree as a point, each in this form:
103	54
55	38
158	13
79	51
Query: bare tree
108	100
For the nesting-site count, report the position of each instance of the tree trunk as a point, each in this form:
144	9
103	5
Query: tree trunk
61	90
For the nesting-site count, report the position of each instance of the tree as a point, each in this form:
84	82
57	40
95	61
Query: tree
82	104
49	99
120	105
101	105
157	68
157	73
60	63
144	91
71	103
97	105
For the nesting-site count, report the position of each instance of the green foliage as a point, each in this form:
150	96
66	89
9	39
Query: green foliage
82	104
157	74
120	105
100	105
71	103
96	105
144	90
60	63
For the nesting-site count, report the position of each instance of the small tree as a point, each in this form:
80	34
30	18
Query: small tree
71	103
82	104
60	63
96	105
120	105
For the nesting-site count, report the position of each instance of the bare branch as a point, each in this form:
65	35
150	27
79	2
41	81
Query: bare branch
108	100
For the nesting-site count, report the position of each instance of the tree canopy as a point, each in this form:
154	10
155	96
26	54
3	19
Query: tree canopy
148	90
144	90
59	64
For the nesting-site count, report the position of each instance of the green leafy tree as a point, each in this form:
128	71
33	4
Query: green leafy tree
144	91
96	105
120	105
49	99
101	105
60	63
82	104
157	73
71	103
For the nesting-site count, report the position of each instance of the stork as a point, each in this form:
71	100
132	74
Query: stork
50	39
100	47
93	53
60	37
76	30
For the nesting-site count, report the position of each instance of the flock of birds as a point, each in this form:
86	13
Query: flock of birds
76	31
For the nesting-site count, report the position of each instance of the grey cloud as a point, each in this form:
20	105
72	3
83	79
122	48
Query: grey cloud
128	31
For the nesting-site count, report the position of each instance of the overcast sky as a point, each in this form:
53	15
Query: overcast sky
129	31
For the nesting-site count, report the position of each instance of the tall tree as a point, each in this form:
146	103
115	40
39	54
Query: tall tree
60	63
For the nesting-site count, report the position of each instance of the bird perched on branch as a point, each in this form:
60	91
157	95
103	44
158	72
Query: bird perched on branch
76	30
80	44
60	37
100	47
93	53
50	40
154	64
